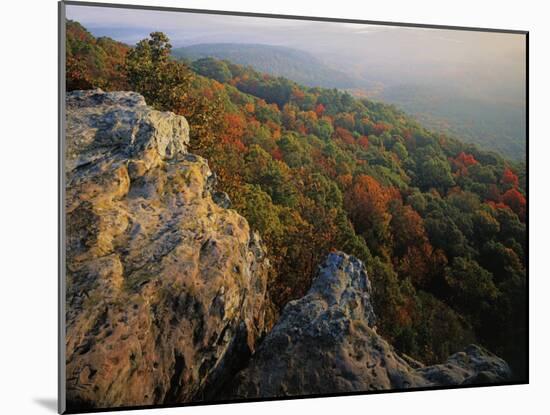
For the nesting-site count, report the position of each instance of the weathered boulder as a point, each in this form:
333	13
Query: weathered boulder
165	287
326	342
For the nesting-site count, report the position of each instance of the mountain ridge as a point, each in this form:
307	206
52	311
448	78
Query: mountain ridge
295	64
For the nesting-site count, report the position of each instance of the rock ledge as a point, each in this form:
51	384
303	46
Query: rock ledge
326	342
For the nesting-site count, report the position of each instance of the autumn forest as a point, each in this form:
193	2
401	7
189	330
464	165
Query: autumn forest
440	224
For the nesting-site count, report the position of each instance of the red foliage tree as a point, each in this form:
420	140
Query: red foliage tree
516	201
381	127
496	205
319	110
239	146
462	162
300	126
510	178
277	154
466	160
363	141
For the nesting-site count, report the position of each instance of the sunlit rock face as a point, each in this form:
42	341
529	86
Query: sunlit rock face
165	287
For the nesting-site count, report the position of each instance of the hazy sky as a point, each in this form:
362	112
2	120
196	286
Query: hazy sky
482	62
130	26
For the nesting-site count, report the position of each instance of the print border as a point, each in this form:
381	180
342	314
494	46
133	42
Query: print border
61	198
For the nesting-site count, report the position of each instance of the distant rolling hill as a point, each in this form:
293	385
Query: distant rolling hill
491	123
290	63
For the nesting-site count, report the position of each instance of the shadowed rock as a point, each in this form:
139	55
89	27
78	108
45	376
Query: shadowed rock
326	342
165	288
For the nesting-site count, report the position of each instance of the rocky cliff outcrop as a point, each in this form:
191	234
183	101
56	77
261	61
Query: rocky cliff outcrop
326	342
165	287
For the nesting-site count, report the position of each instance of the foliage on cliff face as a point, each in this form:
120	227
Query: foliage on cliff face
440	224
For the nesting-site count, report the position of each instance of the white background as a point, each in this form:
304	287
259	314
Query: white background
28	204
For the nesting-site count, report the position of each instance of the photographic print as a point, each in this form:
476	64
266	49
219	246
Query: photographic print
260	207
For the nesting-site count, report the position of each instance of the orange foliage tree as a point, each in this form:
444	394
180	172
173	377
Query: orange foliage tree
234	125
344	135
367	200
414	256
